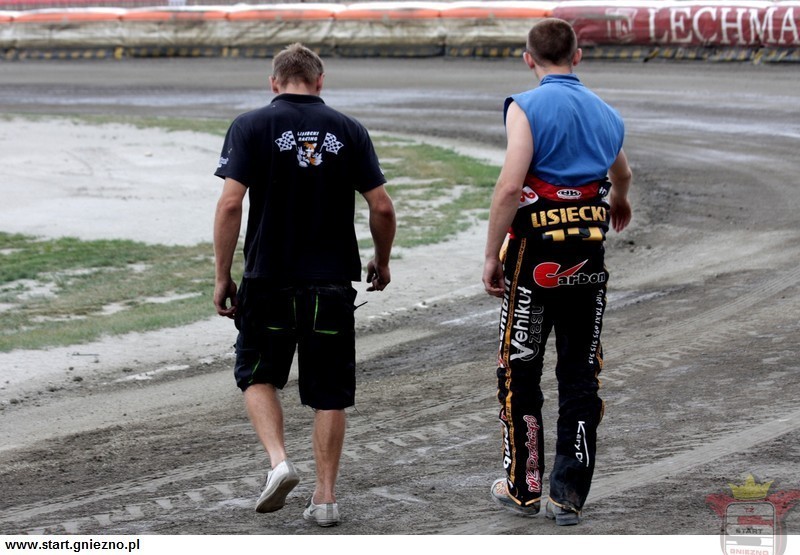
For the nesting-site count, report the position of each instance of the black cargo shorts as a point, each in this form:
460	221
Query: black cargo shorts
317	321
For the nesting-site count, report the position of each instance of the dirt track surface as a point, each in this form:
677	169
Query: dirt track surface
701	382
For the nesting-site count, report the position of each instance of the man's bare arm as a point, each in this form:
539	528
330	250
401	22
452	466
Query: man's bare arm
505	199
227	224
621	177
382	225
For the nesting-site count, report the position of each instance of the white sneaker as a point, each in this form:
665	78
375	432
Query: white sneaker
326	514
280	481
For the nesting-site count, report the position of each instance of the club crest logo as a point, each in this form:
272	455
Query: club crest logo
752	517
307	146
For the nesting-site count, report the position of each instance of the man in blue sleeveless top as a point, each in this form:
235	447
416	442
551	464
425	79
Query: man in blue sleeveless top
564	180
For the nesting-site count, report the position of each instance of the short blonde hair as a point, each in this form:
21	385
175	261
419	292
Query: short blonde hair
297	63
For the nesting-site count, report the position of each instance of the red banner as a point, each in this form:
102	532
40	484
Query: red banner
730	24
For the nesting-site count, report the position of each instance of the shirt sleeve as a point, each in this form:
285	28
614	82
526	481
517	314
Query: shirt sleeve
234	161
369	174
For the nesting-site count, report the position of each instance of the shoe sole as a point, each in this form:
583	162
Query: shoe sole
322	523
277	498
563	519
512	507
325	523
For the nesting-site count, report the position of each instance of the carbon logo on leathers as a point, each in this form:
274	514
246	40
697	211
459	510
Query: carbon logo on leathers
549	274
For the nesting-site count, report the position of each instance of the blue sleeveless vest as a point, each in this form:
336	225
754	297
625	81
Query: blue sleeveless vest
576	135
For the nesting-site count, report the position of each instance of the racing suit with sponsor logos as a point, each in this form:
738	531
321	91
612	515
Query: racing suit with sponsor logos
555	279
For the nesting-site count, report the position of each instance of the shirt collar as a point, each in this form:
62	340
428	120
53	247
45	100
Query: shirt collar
560	78
299	98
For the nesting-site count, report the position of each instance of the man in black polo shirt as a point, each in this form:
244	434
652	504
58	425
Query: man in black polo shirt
301	162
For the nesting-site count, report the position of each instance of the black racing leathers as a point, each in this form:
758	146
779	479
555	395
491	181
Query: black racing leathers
555	279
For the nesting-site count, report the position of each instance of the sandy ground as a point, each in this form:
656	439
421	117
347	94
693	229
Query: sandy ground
701	377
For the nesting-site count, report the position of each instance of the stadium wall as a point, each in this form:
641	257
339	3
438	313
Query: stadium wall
735	30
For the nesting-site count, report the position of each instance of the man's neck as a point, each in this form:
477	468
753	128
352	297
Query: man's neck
542	72
297	86
294	88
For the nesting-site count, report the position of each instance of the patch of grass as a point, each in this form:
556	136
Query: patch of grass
25	257
437	192
198	125
66	291
63	291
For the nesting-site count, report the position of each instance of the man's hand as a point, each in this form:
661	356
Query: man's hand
378	276
493	280
382	226
223	292
227	222
620	176
620	212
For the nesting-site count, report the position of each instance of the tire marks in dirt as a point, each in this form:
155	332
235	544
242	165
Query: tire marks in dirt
712	327
153	505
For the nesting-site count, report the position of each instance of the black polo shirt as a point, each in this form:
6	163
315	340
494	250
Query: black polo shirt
302	162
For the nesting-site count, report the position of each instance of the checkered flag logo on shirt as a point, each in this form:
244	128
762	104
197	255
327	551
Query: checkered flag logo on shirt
286	141
331	143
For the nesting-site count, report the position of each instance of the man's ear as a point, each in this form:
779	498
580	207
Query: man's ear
528	59
576	59
273	83
320	79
